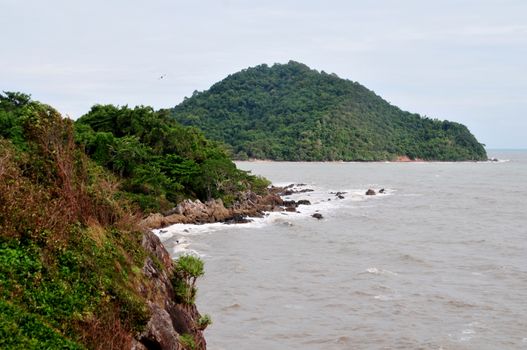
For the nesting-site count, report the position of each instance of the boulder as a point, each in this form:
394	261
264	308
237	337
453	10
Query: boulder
237	219
271	199
216	210
289	204
303	202
317	216
370	192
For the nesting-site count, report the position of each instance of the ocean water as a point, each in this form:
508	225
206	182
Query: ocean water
439	262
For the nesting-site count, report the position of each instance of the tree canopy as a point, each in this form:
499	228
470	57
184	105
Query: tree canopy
291	112
160	161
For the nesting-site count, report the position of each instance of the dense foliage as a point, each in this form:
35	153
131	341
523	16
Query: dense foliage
70	246
71	257
160	161
290	112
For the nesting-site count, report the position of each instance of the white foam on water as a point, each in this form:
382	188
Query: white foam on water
496	161
319	204
383	297
376	271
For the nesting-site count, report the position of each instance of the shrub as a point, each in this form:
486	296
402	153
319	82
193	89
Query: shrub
187	341
186	271
204	321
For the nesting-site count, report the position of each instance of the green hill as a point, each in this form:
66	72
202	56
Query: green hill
291	112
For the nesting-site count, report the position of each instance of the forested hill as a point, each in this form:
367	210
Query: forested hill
291	112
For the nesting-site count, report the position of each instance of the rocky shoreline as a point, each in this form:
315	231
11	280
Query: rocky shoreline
170	320
250	205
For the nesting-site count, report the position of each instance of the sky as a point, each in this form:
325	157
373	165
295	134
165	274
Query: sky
461	60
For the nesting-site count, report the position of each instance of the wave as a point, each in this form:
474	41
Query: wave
324	201
376	271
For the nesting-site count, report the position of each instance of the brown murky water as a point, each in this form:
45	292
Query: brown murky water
440	262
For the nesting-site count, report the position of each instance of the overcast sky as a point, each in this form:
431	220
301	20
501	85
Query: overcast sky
461	60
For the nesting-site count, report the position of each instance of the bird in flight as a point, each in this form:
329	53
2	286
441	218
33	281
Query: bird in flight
162	76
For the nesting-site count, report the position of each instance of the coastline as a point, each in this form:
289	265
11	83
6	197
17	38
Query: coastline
399	159
249	205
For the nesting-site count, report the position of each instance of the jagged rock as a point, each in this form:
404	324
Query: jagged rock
370	192
382	190
217	210
160	332
248	204
271	199
168	319
317	216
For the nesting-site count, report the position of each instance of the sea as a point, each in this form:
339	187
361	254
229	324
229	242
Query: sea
438	261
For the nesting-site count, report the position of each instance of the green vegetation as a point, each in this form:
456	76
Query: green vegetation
159	161
70	245
187	269
290	112
187	341
204	321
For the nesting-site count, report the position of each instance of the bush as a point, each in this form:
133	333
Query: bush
204	321
187	341
186	271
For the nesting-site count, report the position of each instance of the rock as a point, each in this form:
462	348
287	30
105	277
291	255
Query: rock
271	199
317	216
153	244
237	219
370	192
217	210
340	196
290	209
248	204
381	190
153	221
168	320
160	332
289	204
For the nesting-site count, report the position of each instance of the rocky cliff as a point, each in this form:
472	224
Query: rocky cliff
168	319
